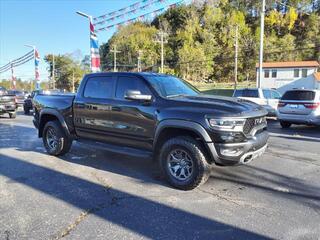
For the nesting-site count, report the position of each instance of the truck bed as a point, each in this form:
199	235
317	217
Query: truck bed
61	103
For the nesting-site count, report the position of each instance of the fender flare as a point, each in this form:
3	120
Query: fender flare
58	115
181	124
192	126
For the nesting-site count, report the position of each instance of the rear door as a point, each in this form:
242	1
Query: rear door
297	102
92	108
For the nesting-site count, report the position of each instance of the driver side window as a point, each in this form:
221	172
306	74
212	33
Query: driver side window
131	83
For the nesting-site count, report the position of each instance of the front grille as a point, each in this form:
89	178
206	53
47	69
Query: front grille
252	123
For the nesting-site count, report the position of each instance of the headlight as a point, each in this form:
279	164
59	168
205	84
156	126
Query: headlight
227	124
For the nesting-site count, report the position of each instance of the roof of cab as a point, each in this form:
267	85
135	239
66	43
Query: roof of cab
127	73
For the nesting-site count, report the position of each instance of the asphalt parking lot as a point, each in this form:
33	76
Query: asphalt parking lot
92	193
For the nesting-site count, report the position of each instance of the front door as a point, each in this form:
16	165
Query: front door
134	120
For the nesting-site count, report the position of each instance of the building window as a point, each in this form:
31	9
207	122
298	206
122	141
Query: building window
266	73
296	73
274	73
304	72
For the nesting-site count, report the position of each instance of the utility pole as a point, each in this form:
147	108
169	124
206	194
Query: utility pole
114	50
261	42
139	60
73	89
236	59
13	84
53	73
162	35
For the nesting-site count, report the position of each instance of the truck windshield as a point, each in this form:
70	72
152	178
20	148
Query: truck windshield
170	86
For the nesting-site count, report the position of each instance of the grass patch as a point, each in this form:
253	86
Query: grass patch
221	92
222	89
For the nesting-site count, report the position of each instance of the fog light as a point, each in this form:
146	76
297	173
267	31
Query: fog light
227	138
231	152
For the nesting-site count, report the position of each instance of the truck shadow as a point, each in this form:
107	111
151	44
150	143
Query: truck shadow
138	214
295	132
146	172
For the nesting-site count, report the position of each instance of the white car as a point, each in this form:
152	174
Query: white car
268	98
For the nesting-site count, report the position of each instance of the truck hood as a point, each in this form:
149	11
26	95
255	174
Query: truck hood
221	105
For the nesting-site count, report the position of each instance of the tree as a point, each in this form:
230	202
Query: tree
67	72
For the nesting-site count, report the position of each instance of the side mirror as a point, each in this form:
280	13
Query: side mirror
136	95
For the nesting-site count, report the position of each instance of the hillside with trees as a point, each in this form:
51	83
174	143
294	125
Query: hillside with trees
200	38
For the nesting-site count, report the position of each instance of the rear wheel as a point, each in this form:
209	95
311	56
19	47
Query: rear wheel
55	140
26	110
183	163
12	114
285	124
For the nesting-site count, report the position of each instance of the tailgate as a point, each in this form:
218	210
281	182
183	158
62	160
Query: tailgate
295	107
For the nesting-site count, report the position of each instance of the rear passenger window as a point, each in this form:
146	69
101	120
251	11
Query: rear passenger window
275	95
250	93
238	93
131	83
267	94
99	87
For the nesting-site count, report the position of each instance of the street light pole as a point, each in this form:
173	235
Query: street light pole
90	20
261	42
53	73
236	59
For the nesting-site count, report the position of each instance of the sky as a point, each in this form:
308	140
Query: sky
53	27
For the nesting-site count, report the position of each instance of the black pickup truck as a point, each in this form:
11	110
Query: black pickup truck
8	103
185	131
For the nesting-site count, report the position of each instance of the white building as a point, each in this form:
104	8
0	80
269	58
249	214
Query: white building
288	75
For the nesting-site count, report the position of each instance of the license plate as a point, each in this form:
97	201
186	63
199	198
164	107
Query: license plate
294	106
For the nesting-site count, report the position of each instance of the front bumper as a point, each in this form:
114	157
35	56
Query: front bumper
239	153
7	108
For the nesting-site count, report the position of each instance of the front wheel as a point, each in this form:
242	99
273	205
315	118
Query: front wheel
26	110
55	140
183	163
13	115
285	124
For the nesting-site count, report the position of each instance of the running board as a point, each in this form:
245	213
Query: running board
135	152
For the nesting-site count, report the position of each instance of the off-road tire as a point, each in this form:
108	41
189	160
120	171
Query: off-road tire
26	110
285	124
12	115
63	141
201	167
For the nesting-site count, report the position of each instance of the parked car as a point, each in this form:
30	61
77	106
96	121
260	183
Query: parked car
268	98
299	107
20	97
7	103
28	104
185	131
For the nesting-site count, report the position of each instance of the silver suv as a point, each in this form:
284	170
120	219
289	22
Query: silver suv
299	107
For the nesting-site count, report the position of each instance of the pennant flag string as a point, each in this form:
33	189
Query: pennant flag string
130	7
141	17
129	11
